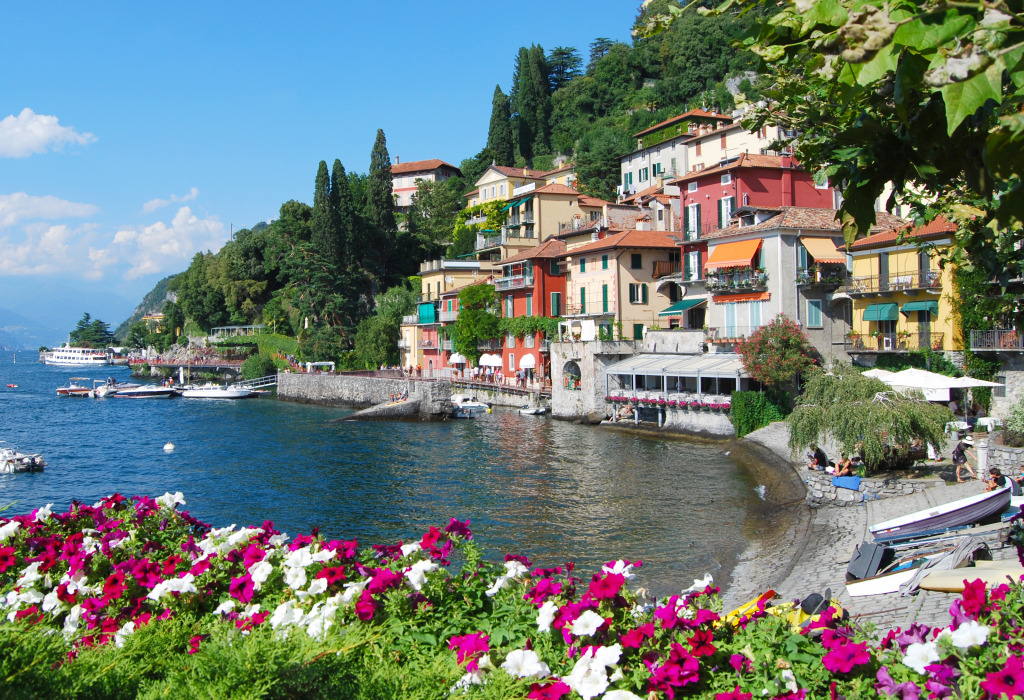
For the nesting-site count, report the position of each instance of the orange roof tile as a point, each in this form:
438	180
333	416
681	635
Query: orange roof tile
643	193
417	166
585	200
936	227
554	188
630	239
686	115
808	218
519	172
551	248
744	160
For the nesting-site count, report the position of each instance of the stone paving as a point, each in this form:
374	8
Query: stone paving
834	533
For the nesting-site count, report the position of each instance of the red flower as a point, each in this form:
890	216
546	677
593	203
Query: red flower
7	558
333	574
634	638
193	644
551	691
974	599
1008	681
607	586
701	643
365	606
734	695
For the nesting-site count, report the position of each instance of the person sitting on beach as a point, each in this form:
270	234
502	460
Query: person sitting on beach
960	458
845	466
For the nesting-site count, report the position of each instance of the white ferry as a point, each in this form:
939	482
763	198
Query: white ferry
76	356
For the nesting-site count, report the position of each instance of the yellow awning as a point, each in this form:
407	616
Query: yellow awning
823	250
735	254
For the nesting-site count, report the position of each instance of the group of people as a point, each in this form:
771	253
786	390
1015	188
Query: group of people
846	466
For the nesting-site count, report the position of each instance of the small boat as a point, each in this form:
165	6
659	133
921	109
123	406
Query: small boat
109	387
13	462
145	392
465	406
214	391
12	386
966	511
953	581
76	386
533	410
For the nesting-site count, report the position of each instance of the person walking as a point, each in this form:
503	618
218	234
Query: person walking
960	457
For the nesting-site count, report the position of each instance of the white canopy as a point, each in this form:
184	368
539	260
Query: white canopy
488	360
935	386
723	365
882	374
457	359
527	362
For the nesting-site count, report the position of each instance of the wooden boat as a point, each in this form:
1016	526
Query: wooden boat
965	511
953	581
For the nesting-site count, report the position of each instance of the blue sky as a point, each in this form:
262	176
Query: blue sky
134	134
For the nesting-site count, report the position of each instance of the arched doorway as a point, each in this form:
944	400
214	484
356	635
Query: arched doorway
571	375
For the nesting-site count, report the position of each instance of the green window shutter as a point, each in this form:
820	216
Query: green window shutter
638	331
583	300
583	264
686	219
720	213
604	262
556	304
604	298
643	294
696	224
529	305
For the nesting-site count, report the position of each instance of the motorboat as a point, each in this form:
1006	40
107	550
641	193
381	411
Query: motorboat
466	406
533	410
12	461
76	386
965	511
214	391
110	387
71	356
144	391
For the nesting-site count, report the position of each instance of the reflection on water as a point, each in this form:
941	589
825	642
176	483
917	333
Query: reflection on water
551	490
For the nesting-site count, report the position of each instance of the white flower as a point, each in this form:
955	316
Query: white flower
620	695
524	663
127	629
484	663
300	558
30	596
277	540
699	584
173	585
225	607
51	601
286	614
250	610
318	586
514	568
259	573
920	655
498	584
246	533
295	578
790	681
169	500
472	678
587	623
324	555
117	544
29	575
608	656
619	567
416	574
72	621
970	634
321	617
546	616
410	548
43	513
352	590
7	530
589	677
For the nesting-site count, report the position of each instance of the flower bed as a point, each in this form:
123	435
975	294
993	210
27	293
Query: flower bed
132	597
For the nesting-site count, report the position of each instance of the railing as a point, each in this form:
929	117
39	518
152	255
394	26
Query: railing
492	344
896	281
410	320
1004	339
691	275
483	241
545	345
696	233
824	277
447	316
479	219
895	342
727	333
591	308
428	344
743	281
502	284
580	224
506	236
447	344
403	344
665	268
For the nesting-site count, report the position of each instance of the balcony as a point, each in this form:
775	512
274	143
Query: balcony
831	276
666	268
737	281
503	284
410	320
886	343
545	345
489	345
403	344
581	223
428	344
598	308
447	344
1006	340
507	236
447	316
729	333
912	281
696	233
479	219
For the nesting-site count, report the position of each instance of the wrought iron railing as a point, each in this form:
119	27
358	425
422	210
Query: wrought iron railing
739	281
502	284
1001	339
824	277
896	281
901	341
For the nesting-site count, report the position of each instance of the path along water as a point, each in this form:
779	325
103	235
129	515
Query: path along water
553	491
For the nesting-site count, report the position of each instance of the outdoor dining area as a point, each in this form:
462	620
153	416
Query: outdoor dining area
673	381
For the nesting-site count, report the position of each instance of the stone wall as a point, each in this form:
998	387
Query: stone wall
1012	372
592	358
434	397
714	424
1008	459
821	492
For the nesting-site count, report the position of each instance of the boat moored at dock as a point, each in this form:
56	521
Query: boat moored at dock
214	391
76	386
72	356
12	461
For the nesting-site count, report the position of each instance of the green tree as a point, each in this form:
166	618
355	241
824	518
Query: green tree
91	332
775	354
599	47
174	319
396	302
500	141
136	337
433	217
380	209
864	416
565	63
377	342
258	366
597	164
324	224
476	321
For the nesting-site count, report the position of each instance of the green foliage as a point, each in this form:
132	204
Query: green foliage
753	410
864	415
432	219
151	303
926	359
476	321
397	302
91	333
500	140
1015	417
377	342
980	314
380	211
258	366
521	326
321	344
776	353
324	224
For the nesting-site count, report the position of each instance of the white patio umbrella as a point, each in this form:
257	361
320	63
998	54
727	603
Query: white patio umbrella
488	360
878	374
527	362
456	359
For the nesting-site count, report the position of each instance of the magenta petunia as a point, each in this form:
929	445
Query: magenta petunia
635	637
903	691
382	580
1008	681
460	529
241	588
739	663
193	644
701	643
735	694
842	659
974	598
7	558
607	586
366	606
333	574
549	691
469	648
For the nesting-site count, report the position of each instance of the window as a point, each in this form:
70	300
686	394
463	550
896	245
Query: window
583	264
637	293
604	262
694	259
672	164
636	261
583	300
755	314
643	174
691	186
510	340
501	189
630	176
556	304
725	209
492	191
656	168
801	253
554	268
604	298
999	392
511	362
814	313
823	185
529	305
692	223
528	340
508	306
727	179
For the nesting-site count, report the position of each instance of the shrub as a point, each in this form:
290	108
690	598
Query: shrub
752	410
258	366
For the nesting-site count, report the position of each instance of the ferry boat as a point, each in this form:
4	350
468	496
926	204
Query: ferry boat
66	355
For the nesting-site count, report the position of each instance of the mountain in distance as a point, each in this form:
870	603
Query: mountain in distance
56	305
19	333
153	302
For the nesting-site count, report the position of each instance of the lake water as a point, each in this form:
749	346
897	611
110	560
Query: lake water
551	490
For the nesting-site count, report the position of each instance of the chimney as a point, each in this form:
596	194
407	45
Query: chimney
396	160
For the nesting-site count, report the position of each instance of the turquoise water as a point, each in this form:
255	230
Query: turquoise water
551	490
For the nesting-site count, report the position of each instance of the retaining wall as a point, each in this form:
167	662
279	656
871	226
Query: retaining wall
821	492
1008	459
434	397
700	423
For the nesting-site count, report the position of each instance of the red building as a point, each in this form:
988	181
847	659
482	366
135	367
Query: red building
531	284
709	198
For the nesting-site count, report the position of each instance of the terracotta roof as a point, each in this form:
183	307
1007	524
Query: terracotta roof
551	248
416	166
643	193
938	226
630	239
487	280
804	218
744	160
564	168
472	192
585	200
554	188
519	172
681	117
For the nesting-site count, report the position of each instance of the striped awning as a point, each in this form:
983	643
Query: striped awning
823	250
734	254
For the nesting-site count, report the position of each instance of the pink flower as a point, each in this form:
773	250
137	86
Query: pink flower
974	598
701	643
734	695
469	648
739	663
193	644
333	574
843	658
542	590
460	529
634	638
551	691
7	558
383	579
253	554
365	606
606	587
241	588
1008	681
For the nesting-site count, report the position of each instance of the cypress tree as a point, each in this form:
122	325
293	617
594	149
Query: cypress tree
324	238
380	207
540	74
344	209
500	142
523	105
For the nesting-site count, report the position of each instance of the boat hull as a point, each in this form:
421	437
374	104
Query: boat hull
951	515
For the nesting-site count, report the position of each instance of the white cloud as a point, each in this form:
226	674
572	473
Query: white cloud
161	246
22	207
28	133
154	204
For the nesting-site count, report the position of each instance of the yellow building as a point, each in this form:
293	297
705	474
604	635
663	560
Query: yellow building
902	299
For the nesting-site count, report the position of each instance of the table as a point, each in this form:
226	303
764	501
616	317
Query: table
989	423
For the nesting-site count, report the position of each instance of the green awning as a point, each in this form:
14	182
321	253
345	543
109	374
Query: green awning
932	306
680	306
881	312
511	204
